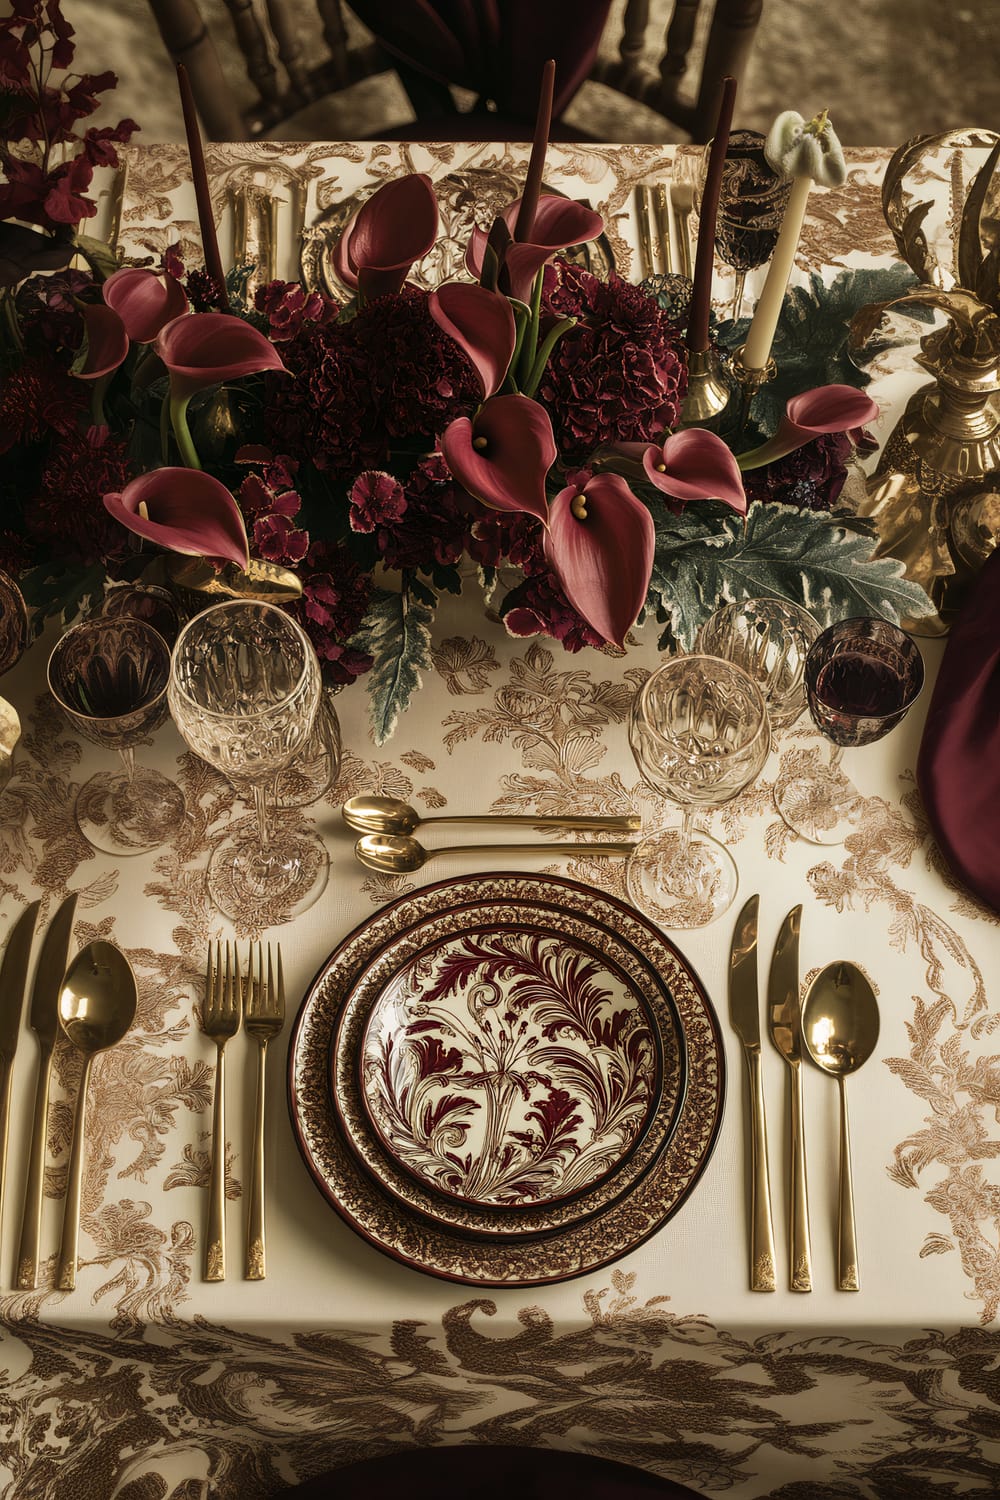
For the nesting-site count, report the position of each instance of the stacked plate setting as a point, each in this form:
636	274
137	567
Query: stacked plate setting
506	1079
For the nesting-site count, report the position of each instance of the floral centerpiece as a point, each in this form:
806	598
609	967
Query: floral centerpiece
526	419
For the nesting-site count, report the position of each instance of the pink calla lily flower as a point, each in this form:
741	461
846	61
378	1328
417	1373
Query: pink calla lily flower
185	511
395	227
503	454
144	300
691	465
600	545
558	223
106	343
481	323
827	408
203	349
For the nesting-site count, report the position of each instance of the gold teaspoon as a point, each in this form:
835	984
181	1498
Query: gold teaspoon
374	814
840	1024
394	854
96	1008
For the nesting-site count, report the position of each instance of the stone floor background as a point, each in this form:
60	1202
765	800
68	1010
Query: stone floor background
885	69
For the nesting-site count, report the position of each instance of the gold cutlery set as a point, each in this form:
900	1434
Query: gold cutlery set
837	1023
258	1000
664	227
93	1002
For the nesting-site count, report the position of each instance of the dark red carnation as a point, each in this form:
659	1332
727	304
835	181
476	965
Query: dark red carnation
812	477
37	399
336	592
288	308
377	499
435	526
68	514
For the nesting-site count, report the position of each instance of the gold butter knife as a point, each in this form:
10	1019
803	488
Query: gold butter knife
13	983
786	1034
43	1019
744	1013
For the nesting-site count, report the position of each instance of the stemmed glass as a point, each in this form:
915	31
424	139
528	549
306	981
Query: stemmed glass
244	692
109	677
862	675
751	208
699	733
769	639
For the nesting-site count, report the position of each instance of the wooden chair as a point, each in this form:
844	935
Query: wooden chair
430	55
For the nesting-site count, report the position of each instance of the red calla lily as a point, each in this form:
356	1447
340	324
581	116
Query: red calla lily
481	323
827	408
203	349
395	227
691	465
600	544
185	511
558	223
144	300
106	343
503	454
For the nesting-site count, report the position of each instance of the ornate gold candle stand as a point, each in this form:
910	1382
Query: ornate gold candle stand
932	495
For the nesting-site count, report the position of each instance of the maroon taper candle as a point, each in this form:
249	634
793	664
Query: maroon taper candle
199	174
536	162
704	260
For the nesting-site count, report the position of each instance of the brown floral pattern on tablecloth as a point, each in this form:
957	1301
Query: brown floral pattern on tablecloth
629	1380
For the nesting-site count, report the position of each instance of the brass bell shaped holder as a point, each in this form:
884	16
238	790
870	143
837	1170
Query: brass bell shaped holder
929	494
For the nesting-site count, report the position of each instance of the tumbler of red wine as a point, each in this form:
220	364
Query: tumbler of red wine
861	677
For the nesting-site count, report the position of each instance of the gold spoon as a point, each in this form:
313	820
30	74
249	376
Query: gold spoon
395	854
840	1024
96	1008
389	815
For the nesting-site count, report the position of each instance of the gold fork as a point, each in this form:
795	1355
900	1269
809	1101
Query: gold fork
263	1018
220	1020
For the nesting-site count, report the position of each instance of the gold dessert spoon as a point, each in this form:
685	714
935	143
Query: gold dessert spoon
374	814
394	854
840	1024
97	1007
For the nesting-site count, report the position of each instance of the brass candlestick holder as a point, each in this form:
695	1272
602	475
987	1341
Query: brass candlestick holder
749	382
930	494
708	393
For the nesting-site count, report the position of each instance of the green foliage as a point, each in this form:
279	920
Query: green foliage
397	634
710	558
51	589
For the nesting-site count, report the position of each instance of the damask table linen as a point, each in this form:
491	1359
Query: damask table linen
665	1360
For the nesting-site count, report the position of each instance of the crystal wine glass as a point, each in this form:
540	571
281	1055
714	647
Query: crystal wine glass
862	675
244	692
769	639
109	677
700	734
751	208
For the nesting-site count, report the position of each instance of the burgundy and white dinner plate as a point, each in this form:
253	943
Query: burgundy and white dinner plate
506	1068
601	930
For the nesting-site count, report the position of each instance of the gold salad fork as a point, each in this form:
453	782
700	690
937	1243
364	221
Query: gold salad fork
220	1020
263	1018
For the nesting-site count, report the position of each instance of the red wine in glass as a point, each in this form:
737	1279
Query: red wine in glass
861	676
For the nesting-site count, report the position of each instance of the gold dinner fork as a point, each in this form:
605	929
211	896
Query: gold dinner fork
220	1020
263	1018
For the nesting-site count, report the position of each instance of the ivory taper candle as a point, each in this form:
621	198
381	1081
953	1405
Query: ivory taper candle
807	153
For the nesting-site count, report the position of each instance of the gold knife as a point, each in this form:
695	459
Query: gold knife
786	1034
13	983
43	1019
744	1013
645	229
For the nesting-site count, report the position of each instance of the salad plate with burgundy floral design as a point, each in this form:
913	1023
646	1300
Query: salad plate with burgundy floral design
570	1246
508	1068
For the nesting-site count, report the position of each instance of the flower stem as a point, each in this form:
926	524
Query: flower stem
553	336
185	443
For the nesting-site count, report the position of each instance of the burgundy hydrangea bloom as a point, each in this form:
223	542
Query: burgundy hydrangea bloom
435	525
336	592
418	376
36	399
377	499
68	514
288	308
15	554
49	313
620	375
812	477
323	414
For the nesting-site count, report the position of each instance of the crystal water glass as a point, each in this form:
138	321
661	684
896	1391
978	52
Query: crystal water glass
700	735
770	639
244	692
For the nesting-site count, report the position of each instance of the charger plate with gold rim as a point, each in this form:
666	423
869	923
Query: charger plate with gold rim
498	1260
508	1067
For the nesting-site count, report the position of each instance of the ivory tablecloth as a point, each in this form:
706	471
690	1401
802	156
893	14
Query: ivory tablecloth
664	1359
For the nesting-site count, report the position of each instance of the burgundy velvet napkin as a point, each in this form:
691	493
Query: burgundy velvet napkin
958	768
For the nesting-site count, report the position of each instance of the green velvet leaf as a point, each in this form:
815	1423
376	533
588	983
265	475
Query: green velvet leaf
397	634
709	559
810	344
